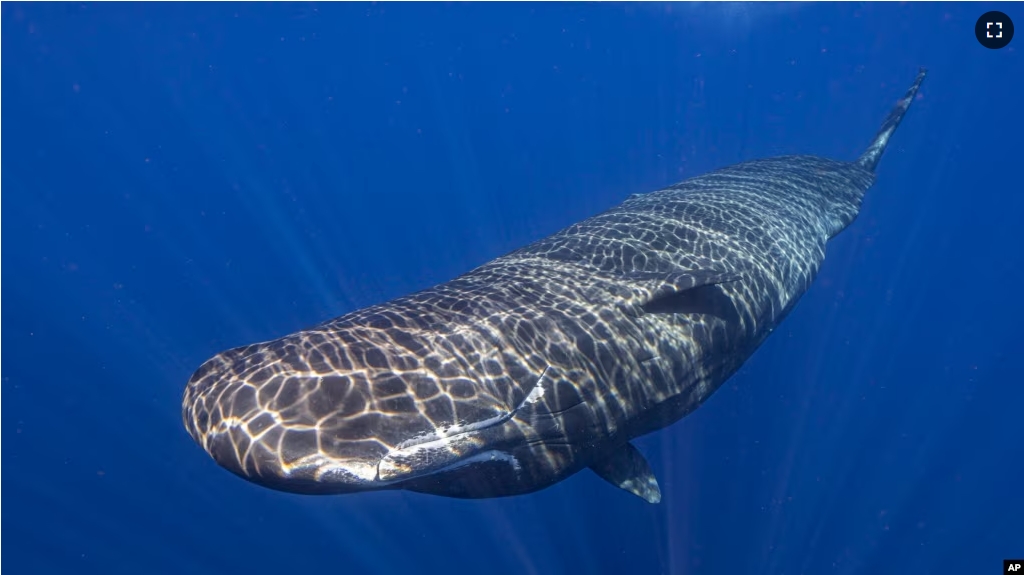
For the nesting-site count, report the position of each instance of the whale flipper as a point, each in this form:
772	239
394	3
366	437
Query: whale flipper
627	469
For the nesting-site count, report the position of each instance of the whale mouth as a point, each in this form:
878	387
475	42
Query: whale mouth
434	451
450	446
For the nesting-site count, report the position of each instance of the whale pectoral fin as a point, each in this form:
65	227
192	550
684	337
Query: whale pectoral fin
627	469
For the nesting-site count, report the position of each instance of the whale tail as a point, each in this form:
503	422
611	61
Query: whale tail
869	159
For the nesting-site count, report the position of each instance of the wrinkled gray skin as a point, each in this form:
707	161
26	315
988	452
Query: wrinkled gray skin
544	361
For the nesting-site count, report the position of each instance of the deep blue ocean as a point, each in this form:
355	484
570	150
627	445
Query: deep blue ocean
180	179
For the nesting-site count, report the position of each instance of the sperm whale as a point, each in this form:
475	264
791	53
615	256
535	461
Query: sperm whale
544	361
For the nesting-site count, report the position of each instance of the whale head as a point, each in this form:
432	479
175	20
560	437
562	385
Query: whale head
373	400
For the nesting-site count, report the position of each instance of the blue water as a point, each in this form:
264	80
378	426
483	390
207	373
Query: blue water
179	179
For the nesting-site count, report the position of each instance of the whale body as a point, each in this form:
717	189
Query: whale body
544	361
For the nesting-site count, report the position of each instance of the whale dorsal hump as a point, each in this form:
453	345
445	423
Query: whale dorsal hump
688	292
